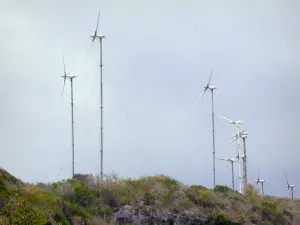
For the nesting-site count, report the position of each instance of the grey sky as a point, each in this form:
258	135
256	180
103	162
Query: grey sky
157	57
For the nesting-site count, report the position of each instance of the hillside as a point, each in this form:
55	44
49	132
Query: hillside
148	200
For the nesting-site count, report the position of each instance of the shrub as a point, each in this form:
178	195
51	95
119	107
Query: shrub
149	198
201	196
61	218
222	189
18	212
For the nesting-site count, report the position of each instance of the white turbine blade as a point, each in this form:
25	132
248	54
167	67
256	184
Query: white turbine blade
95	34
63	87
239	126
218	121
232	140
65	75
225	159
98	21
89	49
243	131
201	96
210	78
224	118
234	136
286	178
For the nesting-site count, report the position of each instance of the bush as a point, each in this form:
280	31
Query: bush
222	189
201	196
61	218
18	212
149	198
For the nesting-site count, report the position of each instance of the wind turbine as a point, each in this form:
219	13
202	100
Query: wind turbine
262	183
289	186
238	124
70	78
211	88
243	134
231	160
100	37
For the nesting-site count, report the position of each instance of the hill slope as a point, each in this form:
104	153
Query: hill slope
148	200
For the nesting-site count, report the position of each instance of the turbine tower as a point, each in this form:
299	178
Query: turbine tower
238	125
243	135
262	183
70	78
100	37
231	160
211	88
289	186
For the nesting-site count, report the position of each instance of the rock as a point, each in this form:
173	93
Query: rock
124	215
128	214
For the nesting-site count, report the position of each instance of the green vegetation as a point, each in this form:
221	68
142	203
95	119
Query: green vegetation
141	201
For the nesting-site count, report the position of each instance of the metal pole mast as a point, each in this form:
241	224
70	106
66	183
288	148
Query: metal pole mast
72	115
101	115
245	163
213	132
262	188
239	158
232	172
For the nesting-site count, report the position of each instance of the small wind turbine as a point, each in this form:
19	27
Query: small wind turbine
243	135
238	124
70	78
211	88
262	183
100	37
289	186
231	160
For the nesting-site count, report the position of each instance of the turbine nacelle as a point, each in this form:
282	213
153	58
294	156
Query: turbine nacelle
212	87
100	36
244	135
239	122
68	76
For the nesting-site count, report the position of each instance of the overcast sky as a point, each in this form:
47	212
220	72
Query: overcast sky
157	58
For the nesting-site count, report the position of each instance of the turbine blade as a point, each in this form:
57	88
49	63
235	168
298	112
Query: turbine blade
201	96
64	63
225	159
94	37
286	178
218	121
89	48
238	125
232	140
234	136
97	23
63	88
224	118
65	75
243	131
210	77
